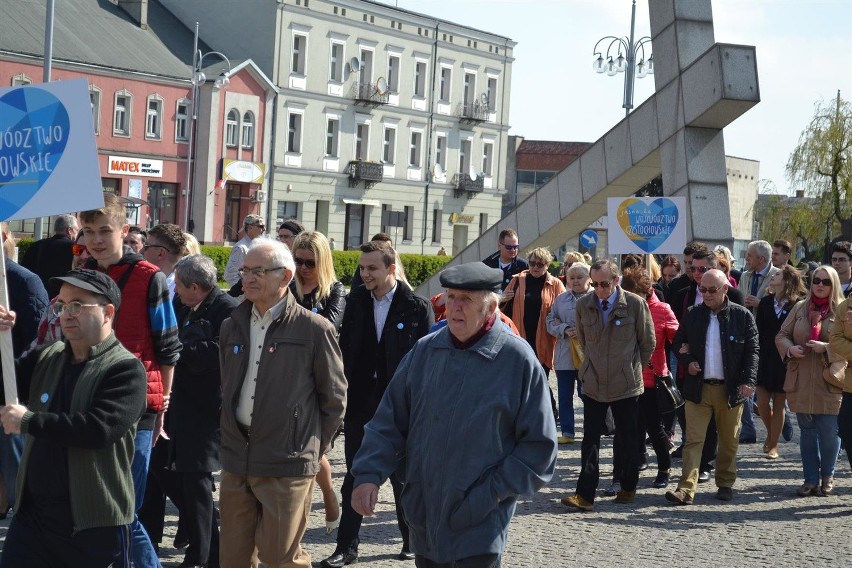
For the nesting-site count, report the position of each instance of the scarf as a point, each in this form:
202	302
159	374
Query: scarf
817	311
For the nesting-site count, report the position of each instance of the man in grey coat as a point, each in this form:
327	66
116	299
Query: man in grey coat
461	480
617	335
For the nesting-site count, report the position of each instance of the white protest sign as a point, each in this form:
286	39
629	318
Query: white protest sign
646	225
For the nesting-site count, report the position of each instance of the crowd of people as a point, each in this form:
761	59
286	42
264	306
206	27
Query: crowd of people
139	379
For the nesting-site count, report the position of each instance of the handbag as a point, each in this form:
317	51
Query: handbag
577	355
668	396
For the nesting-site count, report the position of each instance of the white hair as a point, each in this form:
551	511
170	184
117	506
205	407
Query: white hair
281	255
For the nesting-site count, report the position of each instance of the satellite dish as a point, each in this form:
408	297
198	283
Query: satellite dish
439	171
381	86
472	173
355	64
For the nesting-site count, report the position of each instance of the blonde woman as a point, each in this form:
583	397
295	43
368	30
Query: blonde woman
569	259
803	343
316	288
192	246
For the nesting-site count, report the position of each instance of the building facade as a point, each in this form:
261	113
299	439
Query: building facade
386	120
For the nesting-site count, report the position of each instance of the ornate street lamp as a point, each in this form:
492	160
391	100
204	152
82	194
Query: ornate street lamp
197	79
620	57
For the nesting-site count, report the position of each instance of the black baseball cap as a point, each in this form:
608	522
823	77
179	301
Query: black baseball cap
93	281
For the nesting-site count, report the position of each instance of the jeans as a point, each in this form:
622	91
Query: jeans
844	424
652	421
819	444
481	561
565	381
11	446
141	550
748	432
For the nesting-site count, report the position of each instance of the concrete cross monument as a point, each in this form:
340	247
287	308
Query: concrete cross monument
700	87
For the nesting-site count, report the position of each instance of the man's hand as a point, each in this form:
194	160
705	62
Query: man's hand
158	429
11	417
751	301
364	499
7	319
694	368
508	294
746	391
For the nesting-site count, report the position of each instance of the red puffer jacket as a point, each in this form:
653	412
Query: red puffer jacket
665	327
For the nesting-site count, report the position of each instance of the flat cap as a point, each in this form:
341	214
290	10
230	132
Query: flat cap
472	276
93	281
253	219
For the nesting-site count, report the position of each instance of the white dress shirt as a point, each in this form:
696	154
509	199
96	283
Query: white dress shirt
381	307
714	368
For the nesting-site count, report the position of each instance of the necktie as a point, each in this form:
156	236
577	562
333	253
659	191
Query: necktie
604	305
755	283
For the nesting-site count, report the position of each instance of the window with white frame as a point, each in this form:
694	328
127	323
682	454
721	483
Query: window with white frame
335	72
154	118
366	72
469	88
420	79
182	121
20	79
248	130
464	156
408	223
121	116
300	48
332	137
232	128
446	80
294	132
415	148
95	103
491	91
487	157
393	73
389	146
441	151
362	140
437	222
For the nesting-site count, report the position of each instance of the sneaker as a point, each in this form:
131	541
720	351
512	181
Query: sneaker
807	490
725	494
703	476
678	453
625	496
613	489
565	439
662	479
576	502
680	497
827	487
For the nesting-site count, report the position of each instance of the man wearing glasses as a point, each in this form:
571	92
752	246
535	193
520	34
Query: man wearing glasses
717	345
615	330
254	227
841	261
506	258
284	394
165	246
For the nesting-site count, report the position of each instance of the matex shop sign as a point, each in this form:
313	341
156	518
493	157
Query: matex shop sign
243	172
135	166
646	225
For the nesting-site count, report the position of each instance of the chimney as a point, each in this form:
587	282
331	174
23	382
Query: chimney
800	193
137	9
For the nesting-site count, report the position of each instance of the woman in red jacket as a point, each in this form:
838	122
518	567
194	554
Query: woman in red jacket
637	280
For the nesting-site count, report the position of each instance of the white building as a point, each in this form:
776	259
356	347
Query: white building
387	120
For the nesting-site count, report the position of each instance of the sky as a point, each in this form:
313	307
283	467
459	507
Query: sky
804	55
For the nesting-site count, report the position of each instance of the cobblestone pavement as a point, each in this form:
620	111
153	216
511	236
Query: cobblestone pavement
765	525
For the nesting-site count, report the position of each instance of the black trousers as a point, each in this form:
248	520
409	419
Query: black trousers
625	412
652	421
350	521
28	547
480	561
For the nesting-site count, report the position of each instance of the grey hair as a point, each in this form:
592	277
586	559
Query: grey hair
281	255
580	267
64	222
196	269
762	248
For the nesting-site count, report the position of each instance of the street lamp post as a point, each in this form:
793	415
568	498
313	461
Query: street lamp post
197	79
613	64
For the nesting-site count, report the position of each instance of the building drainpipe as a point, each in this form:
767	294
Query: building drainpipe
429	140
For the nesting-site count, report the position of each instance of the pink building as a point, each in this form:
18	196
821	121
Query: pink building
138	63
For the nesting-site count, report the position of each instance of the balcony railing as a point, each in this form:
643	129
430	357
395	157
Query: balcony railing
370	173
463	183
369	94
473	112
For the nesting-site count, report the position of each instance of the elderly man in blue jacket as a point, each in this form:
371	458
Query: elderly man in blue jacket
461	480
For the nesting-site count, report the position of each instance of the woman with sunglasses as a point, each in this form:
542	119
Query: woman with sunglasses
786	288
316	288
803	343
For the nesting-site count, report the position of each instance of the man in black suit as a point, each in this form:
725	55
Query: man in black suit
52	256
686	278
506	258
382	322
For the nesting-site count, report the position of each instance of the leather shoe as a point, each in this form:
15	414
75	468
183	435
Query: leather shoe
680	497
703	476
339	559
748	440
725	494
405	554
678	453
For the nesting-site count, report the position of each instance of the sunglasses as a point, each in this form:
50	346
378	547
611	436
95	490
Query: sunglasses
711	290
701	269
823	281
536	264
511	247
302	262
604	284
77	250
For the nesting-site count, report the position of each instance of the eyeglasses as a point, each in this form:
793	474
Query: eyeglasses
839	259
146	247
77	250
260	226
536	264
72	308
285	237
257	272
701	269
307	263
511	247
709	290
823	281
604	284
